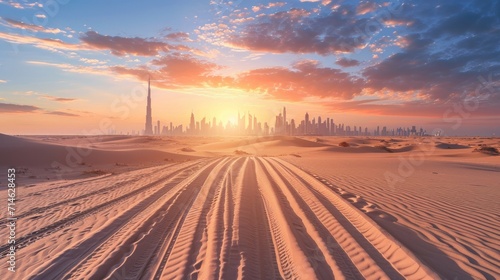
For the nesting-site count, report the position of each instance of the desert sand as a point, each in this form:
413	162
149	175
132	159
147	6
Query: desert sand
120	207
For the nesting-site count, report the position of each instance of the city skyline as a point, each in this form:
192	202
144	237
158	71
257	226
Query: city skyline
254	128
70	67
306	127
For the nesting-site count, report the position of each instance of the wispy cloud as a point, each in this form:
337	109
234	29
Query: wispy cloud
64	114
91	40
31	27
92	61
58	99
15	108
95	70
21	4
46	96
48	44
8	108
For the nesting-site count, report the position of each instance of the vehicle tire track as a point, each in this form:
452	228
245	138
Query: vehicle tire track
327	240
225	218
289	234
23	241
384	249
159	231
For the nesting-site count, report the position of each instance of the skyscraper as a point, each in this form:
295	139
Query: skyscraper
284	120
306	122
149	119
192	125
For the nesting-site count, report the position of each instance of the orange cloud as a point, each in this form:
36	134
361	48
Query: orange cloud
31	27
42	43
15	108
119	46
305	79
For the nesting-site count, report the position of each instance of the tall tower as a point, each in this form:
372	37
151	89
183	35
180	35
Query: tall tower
306	122
192	124
149	119
284	120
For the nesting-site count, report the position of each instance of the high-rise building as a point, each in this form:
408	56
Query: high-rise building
306	124
284	121
149	119
250	122
192	125
255	128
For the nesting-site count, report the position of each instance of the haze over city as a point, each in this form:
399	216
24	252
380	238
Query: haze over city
67	65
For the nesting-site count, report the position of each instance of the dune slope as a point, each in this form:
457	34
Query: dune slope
221	218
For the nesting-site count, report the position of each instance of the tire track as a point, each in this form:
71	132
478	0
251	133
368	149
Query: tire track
24	241
213	237
327	228
289	233
181	260
172	242
89	248
39	210
254	231
228	218
154	237
385	250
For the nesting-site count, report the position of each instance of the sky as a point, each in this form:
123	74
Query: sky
81	67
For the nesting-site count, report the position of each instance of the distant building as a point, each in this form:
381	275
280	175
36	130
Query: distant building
149	119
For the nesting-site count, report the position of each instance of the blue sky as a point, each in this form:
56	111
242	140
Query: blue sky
364	63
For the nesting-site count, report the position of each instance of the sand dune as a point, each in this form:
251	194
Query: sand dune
74	157
446	211
327	212
226	218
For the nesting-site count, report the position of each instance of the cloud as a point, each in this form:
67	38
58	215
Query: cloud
446	55
177	70
91	40
21	5
92	61
48	44
297	31
121	46
64	114
445	112
45	96
31	27
2	81
178	36
305	79
15	108
345	62
94	70
366	7
268	6
58	99
184	67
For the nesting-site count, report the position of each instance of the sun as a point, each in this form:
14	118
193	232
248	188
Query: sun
233	120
